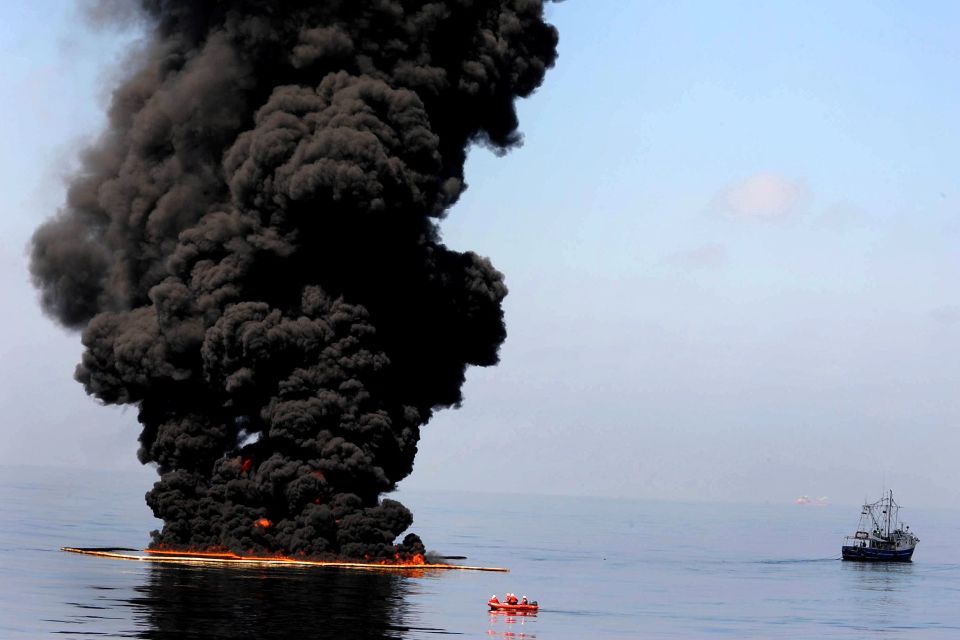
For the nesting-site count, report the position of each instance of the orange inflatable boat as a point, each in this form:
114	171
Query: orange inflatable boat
496	605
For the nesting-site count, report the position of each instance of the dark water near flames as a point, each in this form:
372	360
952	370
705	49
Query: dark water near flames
600	569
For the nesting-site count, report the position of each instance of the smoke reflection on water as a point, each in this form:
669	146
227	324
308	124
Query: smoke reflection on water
205	602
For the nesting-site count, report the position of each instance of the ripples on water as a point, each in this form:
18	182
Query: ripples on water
600	569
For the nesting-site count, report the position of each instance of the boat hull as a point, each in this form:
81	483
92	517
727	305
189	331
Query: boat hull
866	554
513	608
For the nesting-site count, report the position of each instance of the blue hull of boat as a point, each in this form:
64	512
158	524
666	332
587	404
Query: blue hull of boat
865	554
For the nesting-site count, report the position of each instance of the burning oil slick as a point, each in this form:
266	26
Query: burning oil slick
252	254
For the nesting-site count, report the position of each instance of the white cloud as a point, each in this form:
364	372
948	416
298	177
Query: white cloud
762	196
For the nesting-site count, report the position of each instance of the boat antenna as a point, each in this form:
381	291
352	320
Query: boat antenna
889	509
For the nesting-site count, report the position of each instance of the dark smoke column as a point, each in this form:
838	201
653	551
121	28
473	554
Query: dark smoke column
251	251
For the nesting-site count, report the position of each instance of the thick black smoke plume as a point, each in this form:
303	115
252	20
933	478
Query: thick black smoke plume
251	250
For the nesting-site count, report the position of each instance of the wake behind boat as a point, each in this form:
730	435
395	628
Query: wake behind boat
880	536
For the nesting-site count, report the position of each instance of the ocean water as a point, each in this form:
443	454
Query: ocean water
599	568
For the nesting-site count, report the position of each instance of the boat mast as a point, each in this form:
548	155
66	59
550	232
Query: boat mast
889	509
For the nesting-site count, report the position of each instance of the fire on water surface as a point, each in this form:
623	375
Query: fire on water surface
418	563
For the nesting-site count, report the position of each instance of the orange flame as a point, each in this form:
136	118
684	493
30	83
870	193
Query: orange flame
263	523
398	560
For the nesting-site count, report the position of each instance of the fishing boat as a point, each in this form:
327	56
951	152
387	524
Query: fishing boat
880	536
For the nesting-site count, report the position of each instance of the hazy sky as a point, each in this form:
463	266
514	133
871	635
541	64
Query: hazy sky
731	241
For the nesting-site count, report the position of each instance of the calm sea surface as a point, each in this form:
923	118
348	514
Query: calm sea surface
599	568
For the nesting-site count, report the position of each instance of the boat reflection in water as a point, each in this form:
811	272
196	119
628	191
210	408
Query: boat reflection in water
508	625
208	602
882	590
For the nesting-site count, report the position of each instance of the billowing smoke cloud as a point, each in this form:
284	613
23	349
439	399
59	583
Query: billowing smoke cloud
251	251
